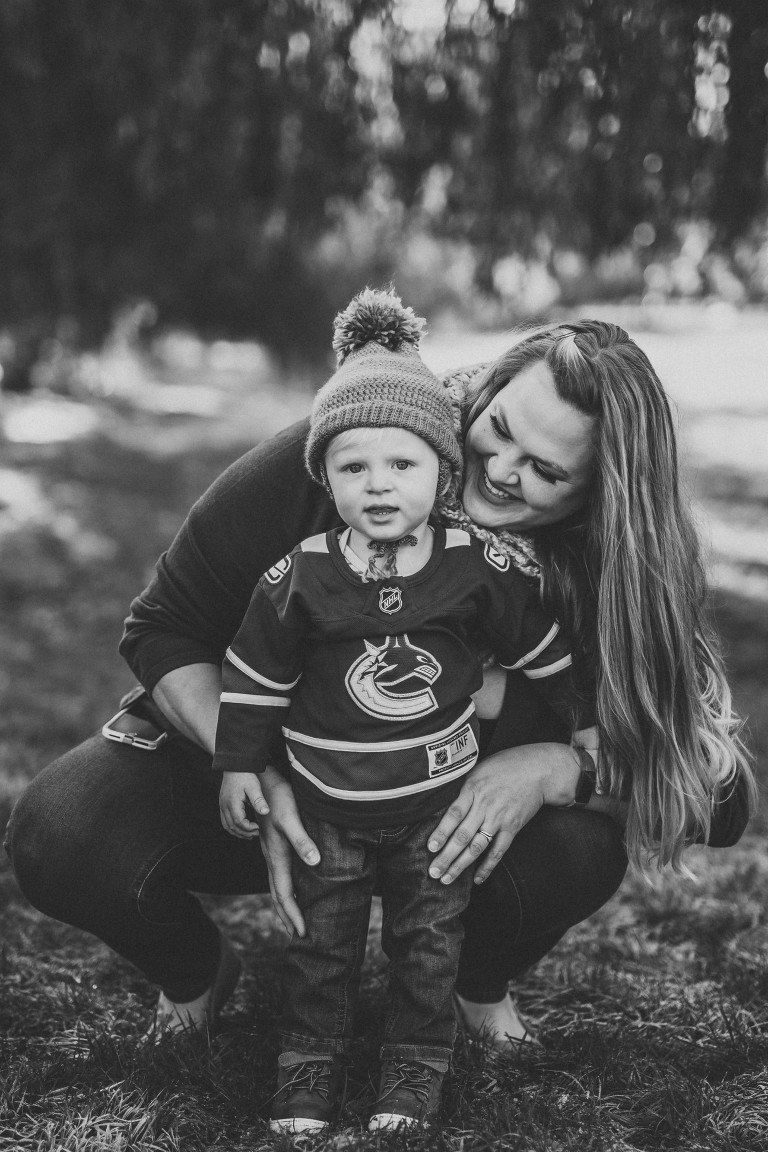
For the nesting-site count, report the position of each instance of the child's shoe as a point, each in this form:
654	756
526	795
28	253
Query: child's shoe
409	1093
308	1089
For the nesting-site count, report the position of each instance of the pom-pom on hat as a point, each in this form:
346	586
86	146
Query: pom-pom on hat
382	382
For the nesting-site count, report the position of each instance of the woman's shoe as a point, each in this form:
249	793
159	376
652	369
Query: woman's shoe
499	1025
198	1016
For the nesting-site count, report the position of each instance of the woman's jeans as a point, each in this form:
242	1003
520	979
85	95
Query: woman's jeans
115	841
421	933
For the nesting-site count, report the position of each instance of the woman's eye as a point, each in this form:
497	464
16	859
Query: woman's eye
536	468
550	479
500	432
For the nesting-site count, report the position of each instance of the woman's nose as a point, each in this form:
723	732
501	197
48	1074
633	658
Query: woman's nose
505	467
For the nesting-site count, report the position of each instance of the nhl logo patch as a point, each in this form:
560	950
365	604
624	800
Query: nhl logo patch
496	558
390	600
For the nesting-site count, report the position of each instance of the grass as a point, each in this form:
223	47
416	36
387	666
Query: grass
654	1013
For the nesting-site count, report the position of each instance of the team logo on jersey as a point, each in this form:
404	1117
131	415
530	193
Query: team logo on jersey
277	571
390	680
390	600
496	558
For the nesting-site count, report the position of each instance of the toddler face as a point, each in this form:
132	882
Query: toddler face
384	480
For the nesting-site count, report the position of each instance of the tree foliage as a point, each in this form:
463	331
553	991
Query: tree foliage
200	153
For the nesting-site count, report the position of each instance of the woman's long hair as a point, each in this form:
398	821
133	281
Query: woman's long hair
626	577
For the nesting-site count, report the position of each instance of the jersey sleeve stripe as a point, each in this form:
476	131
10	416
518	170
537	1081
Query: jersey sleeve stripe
534	651
254	675
549	669
262	701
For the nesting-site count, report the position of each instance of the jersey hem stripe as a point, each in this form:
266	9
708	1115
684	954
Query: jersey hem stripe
378	745
385	794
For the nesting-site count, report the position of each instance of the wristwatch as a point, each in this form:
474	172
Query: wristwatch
587	781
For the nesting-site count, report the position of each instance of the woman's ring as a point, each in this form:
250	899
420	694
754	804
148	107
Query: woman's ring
487	835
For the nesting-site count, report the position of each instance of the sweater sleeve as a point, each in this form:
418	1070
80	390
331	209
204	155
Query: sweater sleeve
261	668
250	517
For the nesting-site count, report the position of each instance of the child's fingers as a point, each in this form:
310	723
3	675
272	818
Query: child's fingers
243	829
243	826
240	801
235	821
255	798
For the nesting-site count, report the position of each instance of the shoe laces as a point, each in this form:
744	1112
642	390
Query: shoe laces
416	1078
312	1075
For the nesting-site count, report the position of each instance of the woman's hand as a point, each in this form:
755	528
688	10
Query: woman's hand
500	795
282	834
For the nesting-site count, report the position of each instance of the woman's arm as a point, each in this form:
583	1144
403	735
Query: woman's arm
189	697
260	508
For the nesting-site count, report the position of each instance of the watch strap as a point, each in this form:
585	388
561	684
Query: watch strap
585	785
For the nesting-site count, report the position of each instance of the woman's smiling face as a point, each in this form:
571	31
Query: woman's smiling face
528	457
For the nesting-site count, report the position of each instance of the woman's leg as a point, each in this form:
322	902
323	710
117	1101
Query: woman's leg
564	865
114	840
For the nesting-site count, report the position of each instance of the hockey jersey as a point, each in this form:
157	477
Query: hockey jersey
371	682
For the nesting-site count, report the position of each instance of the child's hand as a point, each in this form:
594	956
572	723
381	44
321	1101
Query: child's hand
240	795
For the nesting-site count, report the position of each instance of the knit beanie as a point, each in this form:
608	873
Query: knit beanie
382	382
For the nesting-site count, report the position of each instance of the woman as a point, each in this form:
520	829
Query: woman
570	464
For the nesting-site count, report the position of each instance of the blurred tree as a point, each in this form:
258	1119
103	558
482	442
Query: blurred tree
570	123
182	151
208	155
742	180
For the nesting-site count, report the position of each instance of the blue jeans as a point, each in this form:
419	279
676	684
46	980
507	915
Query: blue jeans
421	935
116	841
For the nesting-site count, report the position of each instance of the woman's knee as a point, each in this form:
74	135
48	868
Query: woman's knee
593	852
32	838
563	866
84	827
